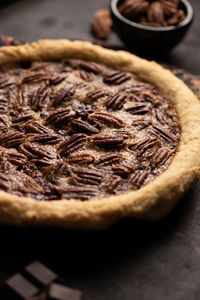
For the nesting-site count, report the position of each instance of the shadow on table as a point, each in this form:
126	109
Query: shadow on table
75	251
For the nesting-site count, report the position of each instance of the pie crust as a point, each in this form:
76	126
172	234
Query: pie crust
151	202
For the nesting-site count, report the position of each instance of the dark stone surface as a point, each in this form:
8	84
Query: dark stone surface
131	260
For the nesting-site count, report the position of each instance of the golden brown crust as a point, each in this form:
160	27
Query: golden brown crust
151	202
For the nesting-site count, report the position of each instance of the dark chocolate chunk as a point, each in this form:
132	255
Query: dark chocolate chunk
40	273
61	292
21	287
41	296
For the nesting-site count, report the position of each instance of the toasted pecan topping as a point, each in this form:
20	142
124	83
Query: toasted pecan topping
83	126
78	192
73	143
116	101
11	138
138	178
60	117
116	77
108	141
108	159
79	130
81	158
87	176
62	95
108	119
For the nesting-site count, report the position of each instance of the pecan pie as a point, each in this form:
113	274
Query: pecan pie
90	135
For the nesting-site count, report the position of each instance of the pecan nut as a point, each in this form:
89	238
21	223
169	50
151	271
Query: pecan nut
108	119
83	126
60	117
108	141
116	77
72	144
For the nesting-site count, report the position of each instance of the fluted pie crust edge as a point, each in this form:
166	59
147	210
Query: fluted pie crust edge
153	201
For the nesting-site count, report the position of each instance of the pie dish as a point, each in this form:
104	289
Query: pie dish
91	135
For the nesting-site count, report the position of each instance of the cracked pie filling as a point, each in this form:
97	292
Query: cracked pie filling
79	130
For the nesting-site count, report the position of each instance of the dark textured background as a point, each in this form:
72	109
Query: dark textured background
131	260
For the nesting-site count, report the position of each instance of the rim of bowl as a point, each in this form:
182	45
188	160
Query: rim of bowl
186	21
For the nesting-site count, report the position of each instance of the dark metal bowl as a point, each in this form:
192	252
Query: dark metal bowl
147	39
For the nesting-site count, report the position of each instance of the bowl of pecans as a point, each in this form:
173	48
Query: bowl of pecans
151	26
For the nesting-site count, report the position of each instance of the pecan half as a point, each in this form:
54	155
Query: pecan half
46	138
35	78
87	176
22	118
35	151
138	178
160	157
108	141
78	192
136	88
81	158
26	184
5	82
4	182
116	77
138	108
62	95
122	133
108	159
145	145
90	66
162	133
108	119
43	161
35	127
22	98
4	121
11	138
60	168
57	78
116	101
87	76
60	117
122	170
14	157
159	115
83	126
141	123
112	184
72	144
38	98
3	104
96	94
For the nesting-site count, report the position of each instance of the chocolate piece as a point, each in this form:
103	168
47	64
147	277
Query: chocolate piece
39	272
61	292
22	287
37	282
41	296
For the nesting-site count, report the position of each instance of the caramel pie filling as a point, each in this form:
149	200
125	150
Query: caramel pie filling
79	130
